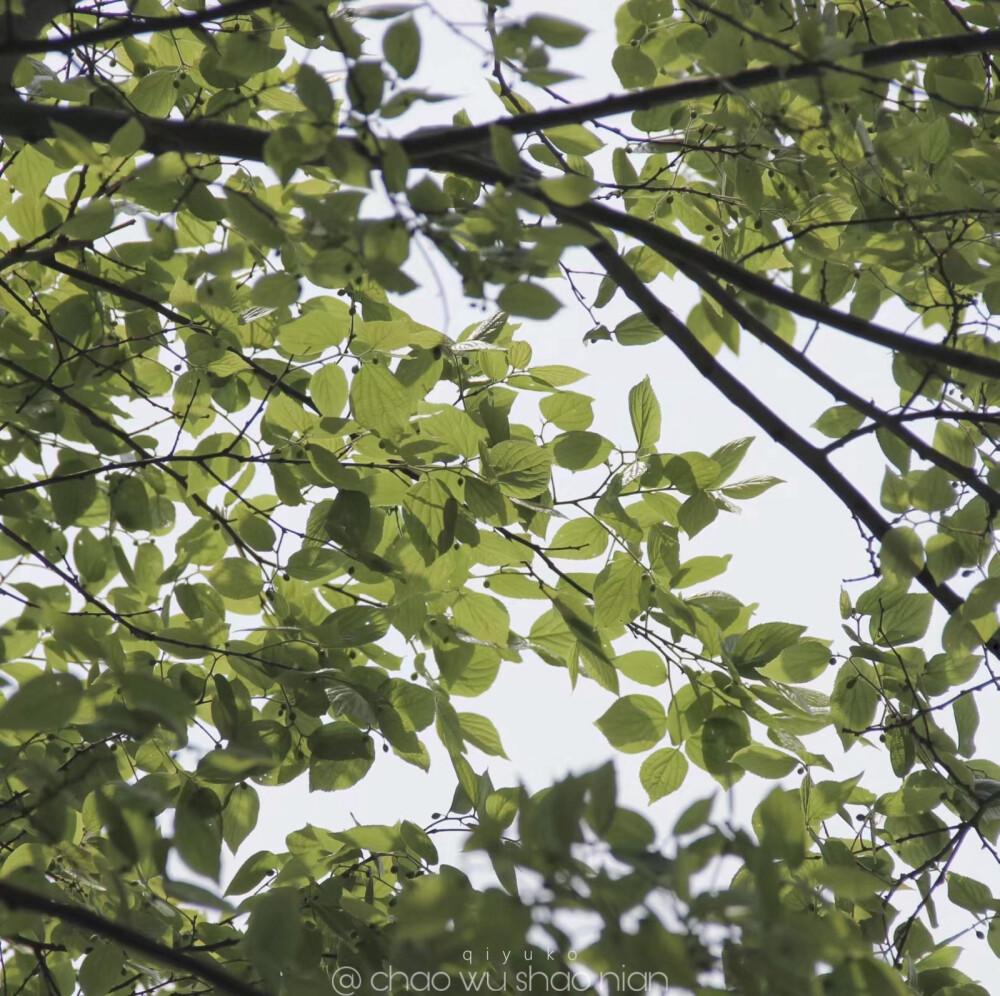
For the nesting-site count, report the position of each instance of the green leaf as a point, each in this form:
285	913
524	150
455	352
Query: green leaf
636	330
557	375
401	45
782	827
697	512
455	428
378	400
855	696
713	745
567	410
316	330
644	411
353	626
274	930
130	503
555	31
616	592
766	762
102	969
699	569
903	619
902	553
729	457
314	92
239	817
276	290
47	702
644	666
839	421
224	766
198	830
969	894
91	222
751	487
236	578
663	772
482	616
530	300
761	644
72	499
580	450
365	85
341	741
127	139
966	723
251	872
694	817
522	469
902	750
480	732
154	95
579	539
634	68
634	723
799	663
935	140
569	191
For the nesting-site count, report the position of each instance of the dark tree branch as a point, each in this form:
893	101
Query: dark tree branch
129	27
444	140
685	255
978	419
95	280
17	898
33	121
27	24
882	419
732	388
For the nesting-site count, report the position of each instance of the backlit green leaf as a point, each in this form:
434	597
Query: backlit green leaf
634	723
46	702
663	772
236	578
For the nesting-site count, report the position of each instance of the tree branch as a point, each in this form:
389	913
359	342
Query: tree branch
734	389
447	139
882	419
129	27
33	121
17	898
95	280
13	26
686	256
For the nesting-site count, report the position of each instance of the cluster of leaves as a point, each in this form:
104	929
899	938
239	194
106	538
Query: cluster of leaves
256	531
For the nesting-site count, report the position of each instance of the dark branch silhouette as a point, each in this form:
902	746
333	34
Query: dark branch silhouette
780	431
130	27
17	898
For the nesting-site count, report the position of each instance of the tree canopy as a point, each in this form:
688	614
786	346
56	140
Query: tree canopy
258	522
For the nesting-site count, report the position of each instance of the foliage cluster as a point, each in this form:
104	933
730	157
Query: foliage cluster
259	523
